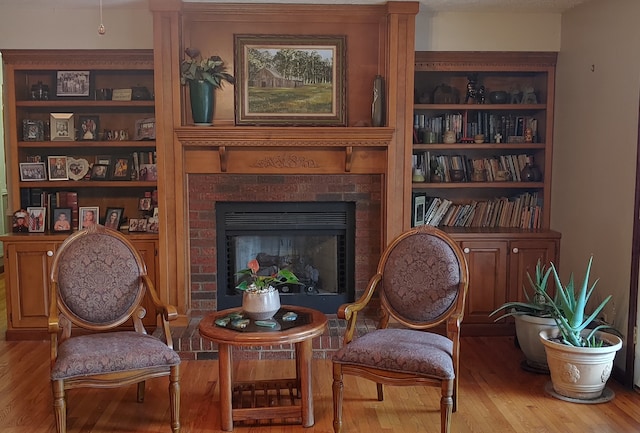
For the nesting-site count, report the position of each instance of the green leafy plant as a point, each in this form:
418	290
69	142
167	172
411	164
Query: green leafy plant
211	69
536	304
569	310
263	283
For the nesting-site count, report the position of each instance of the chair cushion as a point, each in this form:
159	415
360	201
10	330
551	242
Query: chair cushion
110	352
401	350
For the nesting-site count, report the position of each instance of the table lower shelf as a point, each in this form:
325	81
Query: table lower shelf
275	400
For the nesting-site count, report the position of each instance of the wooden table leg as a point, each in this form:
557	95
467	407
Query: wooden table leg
305	353
224	367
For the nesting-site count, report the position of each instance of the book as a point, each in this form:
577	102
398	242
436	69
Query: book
419	202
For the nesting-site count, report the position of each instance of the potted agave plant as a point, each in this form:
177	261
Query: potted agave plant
580	355
531	317
204	75
260	297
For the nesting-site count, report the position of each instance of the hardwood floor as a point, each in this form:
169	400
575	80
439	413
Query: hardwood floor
496	396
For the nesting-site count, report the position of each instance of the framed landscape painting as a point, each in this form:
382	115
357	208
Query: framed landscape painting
290	80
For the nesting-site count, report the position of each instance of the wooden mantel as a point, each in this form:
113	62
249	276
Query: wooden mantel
380	41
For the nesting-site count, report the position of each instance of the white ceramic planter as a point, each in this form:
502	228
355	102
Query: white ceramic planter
260	306
528	332
580	372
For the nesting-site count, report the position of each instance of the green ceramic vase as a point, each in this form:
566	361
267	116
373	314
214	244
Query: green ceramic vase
202	96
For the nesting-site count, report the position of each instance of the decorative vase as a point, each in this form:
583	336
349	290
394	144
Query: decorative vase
260	305
377	106
527	174
580	373
202	96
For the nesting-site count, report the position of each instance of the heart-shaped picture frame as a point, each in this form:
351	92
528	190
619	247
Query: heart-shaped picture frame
77	168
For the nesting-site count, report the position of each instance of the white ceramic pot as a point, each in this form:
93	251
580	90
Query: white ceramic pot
580	372
260	306
528	332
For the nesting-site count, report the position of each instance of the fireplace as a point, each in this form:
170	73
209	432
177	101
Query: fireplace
314	240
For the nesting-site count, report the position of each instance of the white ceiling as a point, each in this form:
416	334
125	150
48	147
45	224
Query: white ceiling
425	5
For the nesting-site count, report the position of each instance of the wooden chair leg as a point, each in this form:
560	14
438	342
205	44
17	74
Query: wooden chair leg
338	388
59	405
140	396
446	406
380	393
174	398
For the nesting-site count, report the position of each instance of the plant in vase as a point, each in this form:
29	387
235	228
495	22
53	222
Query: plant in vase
204	75
260	298
531	316
580	355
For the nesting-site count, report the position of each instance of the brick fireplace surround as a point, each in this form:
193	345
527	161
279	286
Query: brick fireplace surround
204	190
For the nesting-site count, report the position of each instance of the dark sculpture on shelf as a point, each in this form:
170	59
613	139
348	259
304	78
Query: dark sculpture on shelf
473	91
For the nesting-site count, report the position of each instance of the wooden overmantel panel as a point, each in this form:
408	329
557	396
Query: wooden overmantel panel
380	41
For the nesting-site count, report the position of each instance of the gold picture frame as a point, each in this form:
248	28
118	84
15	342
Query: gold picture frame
311	91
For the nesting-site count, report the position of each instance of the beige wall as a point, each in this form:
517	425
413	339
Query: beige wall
594	160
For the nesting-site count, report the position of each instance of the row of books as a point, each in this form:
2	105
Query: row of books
522	211
492	168
481	122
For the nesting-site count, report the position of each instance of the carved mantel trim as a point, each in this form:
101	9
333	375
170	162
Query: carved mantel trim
289	150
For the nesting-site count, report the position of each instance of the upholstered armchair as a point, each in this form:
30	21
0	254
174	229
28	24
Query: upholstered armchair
97	285
421	282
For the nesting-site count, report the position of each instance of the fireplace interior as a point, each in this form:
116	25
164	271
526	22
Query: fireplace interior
314	240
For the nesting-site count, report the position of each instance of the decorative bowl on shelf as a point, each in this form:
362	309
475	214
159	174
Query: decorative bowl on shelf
499	97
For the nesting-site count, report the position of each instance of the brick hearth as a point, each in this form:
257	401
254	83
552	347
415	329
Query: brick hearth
207	189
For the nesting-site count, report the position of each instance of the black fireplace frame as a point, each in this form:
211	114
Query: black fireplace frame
340	221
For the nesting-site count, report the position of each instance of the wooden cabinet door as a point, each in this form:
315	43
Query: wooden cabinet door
523	257
28	266
487	261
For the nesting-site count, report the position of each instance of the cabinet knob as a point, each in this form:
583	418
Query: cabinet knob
466	250
50	253
515	251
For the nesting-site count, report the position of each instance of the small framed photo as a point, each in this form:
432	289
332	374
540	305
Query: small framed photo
137	224
32	130
153	225
89	127
58	168
112	217
144	204
37	219
88	217
99	172
62	128
33	171
61	221
121	169
145	129
20	221
72	83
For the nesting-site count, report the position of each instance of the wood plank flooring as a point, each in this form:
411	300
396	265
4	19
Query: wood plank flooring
496	396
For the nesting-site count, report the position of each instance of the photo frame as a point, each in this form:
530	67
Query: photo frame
32	130
33	171
145	129
88	127
58	168
61	220
99	172
121	169
20	221
37	219
144	204
73	83
113	217
88	216
268	95
137	224
62	127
